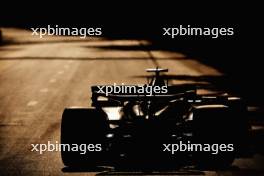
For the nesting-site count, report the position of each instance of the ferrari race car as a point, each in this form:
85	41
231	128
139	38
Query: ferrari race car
144	129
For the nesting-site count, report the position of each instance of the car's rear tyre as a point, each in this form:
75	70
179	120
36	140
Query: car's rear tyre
242	126
214	126
85	129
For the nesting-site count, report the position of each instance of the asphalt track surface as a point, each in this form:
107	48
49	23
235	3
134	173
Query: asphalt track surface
40	77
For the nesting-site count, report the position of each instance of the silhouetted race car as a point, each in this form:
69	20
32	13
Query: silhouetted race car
169	126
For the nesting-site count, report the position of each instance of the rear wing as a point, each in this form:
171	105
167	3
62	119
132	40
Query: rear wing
101	96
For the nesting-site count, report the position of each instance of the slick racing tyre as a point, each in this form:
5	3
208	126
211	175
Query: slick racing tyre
214	128
82	137
242	126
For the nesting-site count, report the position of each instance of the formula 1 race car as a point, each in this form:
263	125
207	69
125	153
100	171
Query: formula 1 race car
171	127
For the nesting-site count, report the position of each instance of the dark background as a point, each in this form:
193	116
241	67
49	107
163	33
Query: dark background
238	56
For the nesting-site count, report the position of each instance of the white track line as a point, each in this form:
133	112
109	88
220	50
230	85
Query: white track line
52	80
32	103
44	90
60	72
66	66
